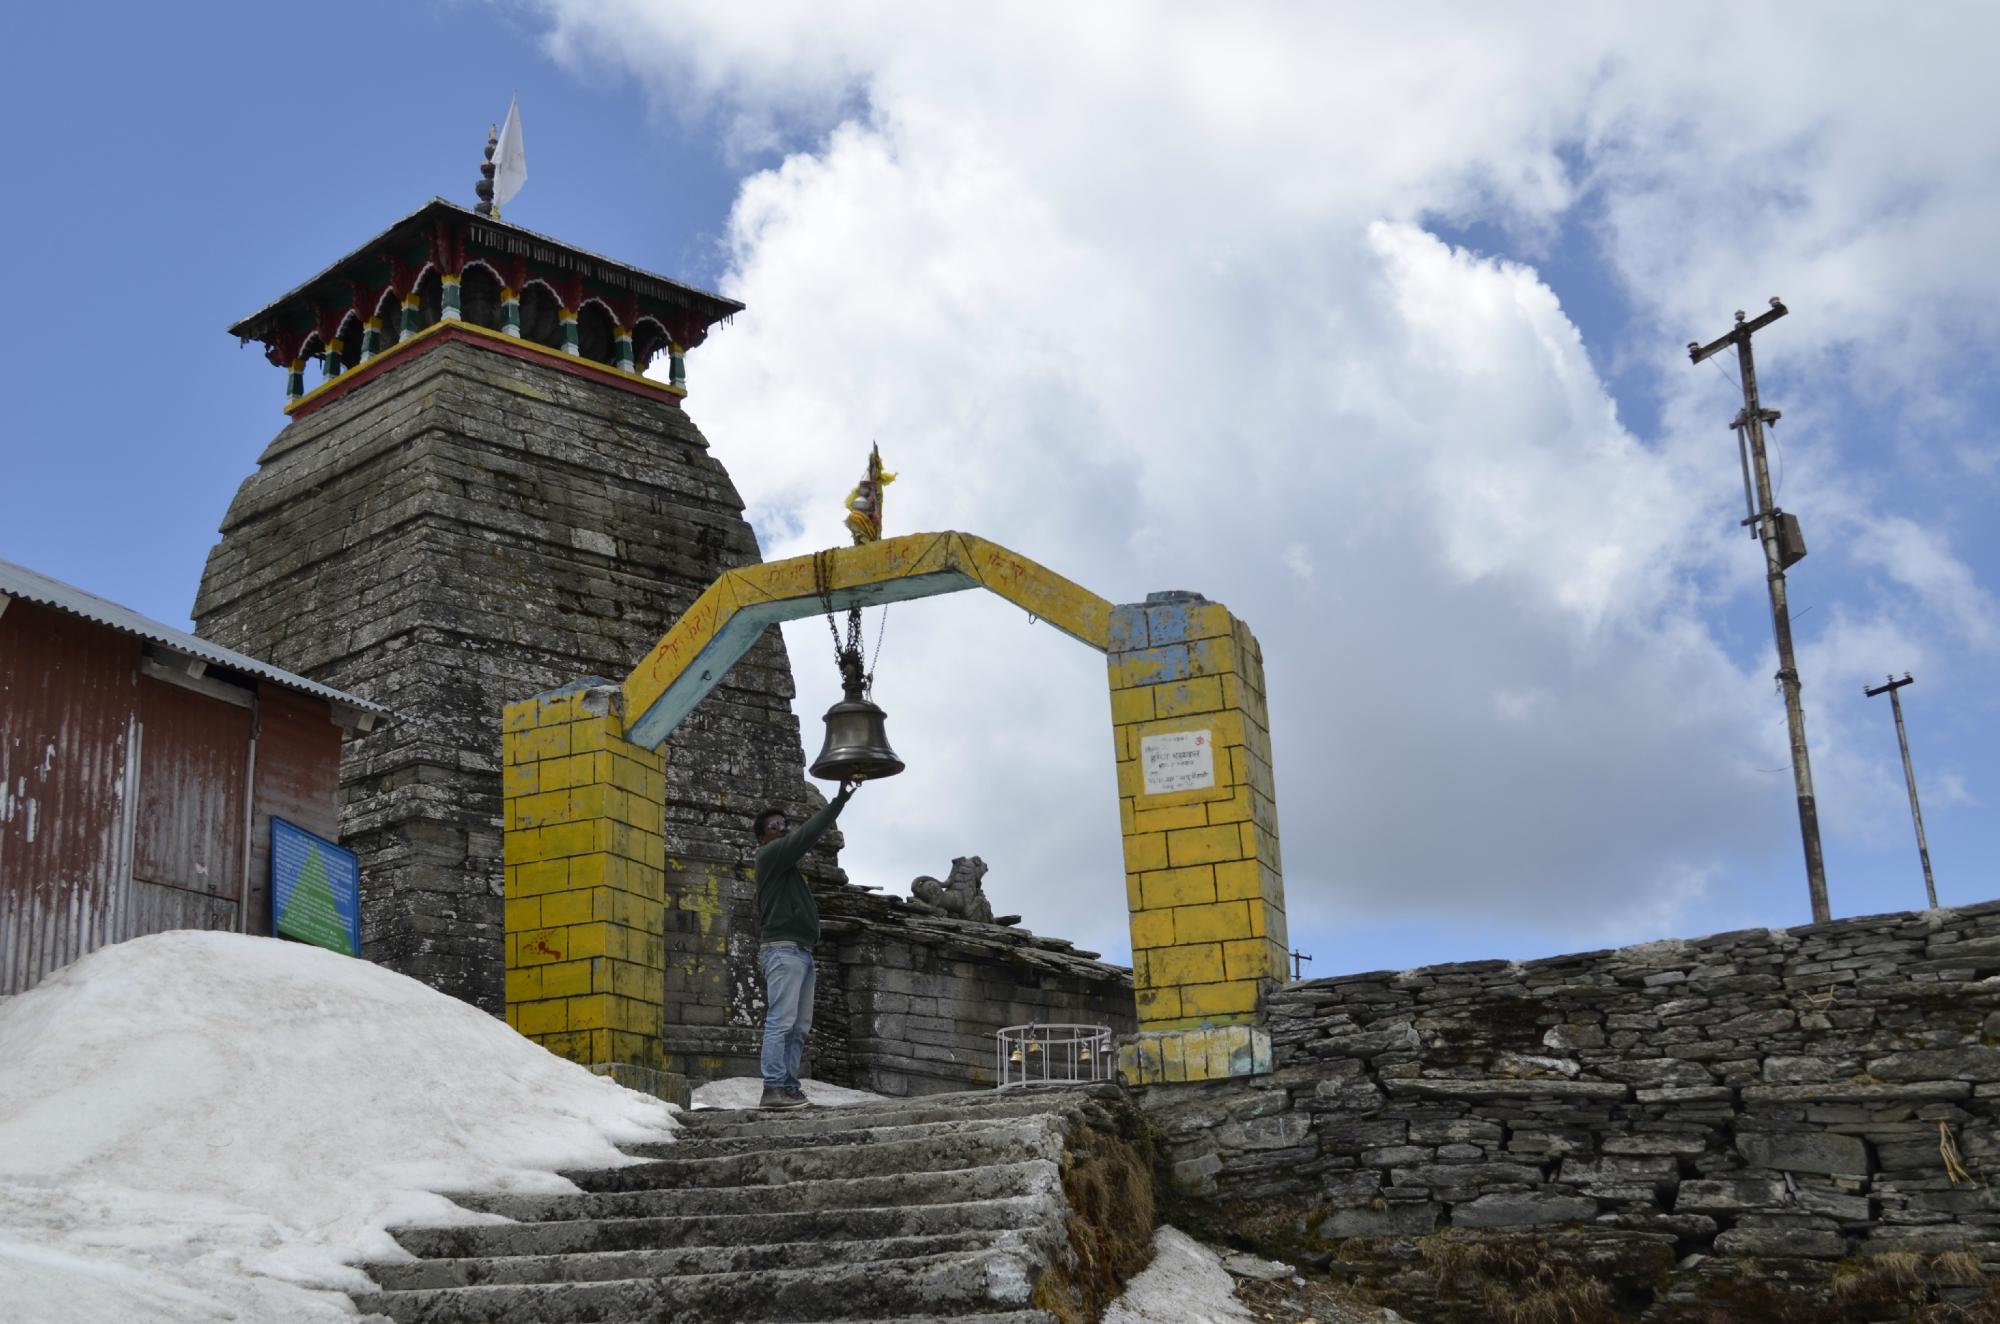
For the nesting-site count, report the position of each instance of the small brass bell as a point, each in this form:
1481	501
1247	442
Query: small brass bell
857	747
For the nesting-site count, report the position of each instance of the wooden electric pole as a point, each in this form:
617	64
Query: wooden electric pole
1909	776
1783	546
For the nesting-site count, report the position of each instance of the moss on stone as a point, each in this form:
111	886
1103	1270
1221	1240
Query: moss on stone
1109	1189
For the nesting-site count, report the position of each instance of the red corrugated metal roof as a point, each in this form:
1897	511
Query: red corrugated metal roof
20	582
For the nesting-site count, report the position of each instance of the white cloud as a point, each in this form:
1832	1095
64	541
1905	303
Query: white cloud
1920	560
1297	558
1144	293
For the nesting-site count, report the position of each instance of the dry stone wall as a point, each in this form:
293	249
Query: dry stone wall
464	531
1796	1124
914	999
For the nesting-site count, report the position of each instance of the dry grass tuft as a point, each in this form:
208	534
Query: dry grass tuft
1958	1267
1917	1286
1513	1283
1567	1299
1901	1269
1451	1254
1110	1193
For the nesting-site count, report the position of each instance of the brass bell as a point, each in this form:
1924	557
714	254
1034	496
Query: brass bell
857	747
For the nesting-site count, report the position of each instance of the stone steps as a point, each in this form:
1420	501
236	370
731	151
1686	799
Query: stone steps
584	1237
893	1189
945	1208
944	1285
724	1123
700	1143
667	1262
1026	1140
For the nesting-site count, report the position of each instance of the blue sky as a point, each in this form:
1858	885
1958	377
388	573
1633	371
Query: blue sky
1168	300
223	153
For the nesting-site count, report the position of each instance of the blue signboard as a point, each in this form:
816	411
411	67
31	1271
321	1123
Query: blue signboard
315	890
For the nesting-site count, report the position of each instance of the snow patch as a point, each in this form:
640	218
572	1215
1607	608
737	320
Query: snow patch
1185	1284
204	1126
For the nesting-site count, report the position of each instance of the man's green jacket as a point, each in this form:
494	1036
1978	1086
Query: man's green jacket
785	908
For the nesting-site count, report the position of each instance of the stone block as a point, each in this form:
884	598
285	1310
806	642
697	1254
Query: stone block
1837	1204
1643	1169
1522	1209
1455	1130
1923	1091
1279	1132
1779	1070
1132	705
1654	1073
1782	1242
1236	880
1727	1195
1153	928
1208	1053
1197	964
1352	1137
1561	1143
1466	1174
1227	998
1221	921
1578	1090
1206	845
1686	1094
1194	695
1803	1151
1652	1142
1197	1173
1158	1004
1173	816
1145	852
1974	1063
1400	1218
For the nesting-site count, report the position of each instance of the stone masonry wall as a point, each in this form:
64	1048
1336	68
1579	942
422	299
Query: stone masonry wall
1761	1125
468	530
913	999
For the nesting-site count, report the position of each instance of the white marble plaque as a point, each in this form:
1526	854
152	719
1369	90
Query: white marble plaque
1180	761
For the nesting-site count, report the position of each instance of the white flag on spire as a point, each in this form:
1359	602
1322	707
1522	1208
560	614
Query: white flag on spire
510	158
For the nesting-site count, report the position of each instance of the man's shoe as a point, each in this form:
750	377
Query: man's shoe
780	1097
798	1092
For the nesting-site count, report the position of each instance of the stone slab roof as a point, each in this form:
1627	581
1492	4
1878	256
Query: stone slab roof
852	908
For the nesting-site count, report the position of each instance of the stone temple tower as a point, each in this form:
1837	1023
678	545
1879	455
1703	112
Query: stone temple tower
480	496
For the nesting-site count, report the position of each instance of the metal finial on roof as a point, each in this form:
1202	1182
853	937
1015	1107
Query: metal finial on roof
485	187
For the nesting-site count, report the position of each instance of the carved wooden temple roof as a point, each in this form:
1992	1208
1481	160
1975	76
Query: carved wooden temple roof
444	263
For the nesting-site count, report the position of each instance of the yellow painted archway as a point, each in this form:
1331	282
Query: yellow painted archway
1197	800
722	624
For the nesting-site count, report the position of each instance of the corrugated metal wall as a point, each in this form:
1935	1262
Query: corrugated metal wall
122	797
66	735
193	770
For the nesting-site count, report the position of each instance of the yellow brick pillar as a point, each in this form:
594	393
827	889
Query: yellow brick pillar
586	885
1199	812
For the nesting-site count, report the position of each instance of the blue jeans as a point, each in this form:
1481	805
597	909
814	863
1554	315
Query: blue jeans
788	1011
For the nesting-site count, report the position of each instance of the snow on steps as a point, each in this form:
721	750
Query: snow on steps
949	1207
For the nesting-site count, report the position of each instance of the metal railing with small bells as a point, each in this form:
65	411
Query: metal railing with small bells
1027	1055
